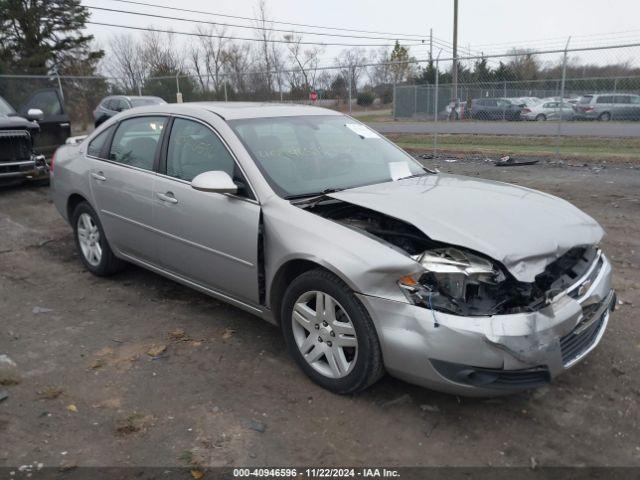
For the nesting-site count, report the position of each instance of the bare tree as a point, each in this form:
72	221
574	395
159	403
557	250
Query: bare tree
265	58
237	65
352	65
304	64
214	49
126	61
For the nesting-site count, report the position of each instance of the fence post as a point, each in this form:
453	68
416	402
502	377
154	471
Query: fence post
415	100
435	106
395	115
178	94
349	97
59	84
562	83
225	91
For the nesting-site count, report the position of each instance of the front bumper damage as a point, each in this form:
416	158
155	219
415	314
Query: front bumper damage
35	167
493	355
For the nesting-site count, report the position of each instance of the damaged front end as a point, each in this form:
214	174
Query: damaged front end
456	280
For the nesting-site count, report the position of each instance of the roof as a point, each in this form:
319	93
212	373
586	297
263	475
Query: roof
238	110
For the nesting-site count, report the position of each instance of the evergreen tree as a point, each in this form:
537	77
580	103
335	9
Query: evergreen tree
37	36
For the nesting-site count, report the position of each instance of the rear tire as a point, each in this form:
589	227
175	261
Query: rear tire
91	242
342	350
604	117
541	118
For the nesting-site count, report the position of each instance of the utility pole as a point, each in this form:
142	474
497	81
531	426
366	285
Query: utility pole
430	44
454	72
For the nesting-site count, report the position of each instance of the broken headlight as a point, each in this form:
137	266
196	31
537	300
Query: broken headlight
454	281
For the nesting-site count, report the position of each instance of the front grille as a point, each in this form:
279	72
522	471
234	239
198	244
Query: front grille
580	339
15	146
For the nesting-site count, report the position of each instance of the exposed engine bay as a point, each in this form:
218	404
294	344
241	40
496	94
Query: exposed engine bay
457	280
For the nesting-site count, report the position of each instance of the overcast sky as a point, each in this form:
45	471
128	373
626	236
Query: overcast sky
488	26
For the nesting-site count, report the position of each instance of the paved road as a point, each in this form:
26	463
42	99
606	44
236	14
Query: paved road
597	129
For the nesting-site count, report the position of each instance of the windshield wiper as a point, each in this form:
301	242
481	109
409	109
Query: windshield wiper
313	194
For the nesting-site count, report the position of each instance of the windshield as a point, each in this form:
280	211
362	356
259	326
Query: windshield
5	108
308	155
141	102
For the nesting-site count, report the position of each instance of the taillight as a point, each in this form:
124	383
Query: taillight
588	109
526	110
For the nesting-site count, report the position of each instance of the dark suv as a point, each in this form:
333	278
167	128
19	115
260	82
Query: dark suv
109	106
27	138
495	109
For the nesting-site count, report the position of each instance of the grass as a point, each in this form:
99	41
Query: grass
492	145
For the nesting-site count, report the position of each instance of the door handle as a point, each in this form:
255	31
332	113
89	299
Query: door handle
99	176
64	124
167	197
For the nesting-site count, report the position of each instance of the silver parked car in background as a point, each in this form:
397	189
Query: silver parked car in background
367	261
548	109
608	106
110	106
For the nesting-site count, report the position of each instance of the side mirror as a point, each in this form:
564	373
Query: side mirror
35	114
215	181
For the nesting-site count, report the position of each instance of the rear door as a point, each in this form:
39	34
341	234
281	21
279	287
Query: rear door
208	238
55	127
122	186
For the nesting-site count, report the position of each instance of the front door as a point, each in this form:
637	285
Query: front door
208	238
55	127
123	186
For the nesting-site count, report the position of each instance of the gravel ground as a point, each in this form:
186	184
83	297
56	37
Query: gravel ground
138	370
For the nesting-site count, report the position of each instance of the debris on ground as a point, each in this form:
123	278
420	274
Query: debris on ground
228	333
401	400
5	361
430	408
508	161
3	395
72	408
37	310
156	350
255	425
178	335
49	393
98	363
197	473
132	424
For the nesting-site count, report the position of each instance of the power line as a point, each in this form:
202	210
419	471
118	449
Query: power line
230	37
146	4
181	19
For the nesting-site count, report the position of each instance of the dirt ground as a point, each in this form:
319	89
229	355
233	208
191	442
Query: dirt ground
138	370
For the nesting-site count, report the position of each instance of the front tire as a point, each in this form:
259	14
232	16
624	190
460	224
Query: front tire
330	334
91	242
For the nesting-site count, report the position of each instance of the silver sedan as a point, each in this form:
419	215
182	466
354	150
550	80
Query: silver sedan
548	109
366	260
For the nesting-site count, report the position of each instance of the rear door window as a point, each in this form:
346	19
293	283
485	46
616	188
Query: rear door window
605	99
136	141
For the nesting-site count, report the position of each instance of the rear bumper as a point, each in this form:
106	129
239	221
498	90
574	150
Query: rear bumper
488	356
36	167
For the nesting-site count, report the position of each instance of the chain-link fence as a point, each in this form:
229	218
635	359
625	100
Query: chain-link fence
566	103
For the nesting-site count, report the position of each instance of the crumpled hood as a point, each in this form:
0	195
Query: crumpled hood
523	229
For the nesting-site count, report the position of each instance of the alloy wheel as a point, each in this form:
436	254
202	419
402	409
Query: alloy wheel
89	239
324	334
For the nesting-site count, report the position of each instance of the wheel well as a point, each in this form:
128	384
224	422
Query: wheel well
281	280
72	203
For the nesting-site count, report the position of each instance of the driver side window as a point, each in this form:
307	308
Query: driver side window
194	149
